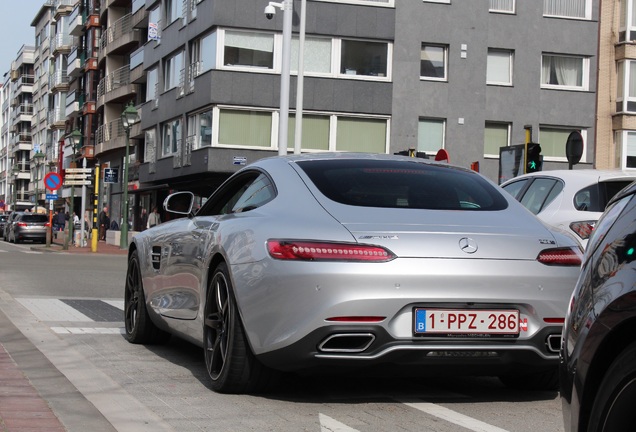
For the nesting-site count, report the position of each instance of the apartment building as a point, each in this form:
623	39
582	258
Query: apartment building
616	94
6	178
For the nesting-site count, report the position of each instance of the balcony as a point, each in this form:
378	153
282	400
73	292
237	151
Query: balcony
75	23
75	66
110	136
58	82
116	86
72	104
119	37
63	7
56	118
24	83
62	44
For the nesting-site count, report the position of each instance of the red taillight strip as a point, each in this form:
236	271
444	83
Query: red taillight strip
554	320
583	228
357	319
560	256
323	251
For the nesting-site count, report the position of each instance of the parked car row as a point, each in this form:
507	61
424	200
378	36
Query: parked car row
22	226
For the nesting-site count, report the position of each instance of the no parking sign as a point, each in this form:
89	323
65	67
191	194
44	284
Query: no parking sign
52	181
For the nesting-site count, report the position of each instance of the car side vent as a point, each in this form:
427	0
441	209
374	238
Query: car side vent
156	257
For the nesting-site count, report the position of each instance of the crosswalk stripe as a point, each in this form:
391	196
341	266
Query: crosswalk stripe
87	330
52	310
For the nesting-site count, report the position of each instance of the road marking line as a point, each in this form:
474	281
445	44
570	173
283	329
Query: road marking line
52	310
327	424
87	330
453	417
119	304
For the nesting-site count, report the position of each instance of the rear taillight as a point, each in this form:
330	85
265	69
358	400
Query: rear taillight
583	228
47	224
323	251
561	256
21	224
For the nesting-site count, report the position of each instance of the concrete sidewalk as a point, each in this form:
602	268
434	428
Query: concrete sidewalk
102	248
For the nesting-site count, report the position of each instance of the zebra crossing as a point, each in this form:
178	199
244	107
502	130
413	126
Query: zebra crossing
77	316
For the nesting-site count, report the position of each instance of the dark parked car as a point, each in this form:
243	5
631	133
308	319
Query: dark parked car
598	348
3	221
28	226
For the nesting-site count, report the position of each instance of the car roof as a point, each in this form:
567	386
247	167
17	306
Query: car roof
584	176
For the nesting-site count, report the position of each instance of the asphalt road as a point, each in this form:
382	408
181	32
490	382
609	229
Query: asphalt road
64	312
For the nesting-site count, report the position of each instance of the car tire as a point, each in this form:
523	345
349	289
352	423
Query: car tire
229	360
139	327
613	408
545	380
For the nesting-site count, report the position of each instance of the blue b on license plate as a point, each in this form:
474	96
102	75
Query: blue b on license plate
466	321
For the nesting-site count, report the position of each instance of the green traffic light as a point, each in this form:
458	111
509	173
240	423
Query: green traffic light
533	165
630	251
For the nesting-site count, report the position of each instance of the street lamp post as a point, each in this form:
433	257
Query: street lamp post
15	171
76	141
129	117
49	230
38	158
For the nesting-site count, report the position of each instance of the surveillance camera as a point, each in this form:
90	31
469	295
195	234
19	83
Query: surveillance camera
270	11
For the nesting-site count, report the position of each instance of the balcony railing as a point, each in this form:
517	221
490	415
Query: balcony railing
109	131
119	78
25	109
120	27
26	80
56	115
193	71
58	78
62	41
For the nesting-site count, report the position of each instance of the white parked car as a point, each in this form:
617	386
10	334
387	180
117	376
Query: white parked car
572	200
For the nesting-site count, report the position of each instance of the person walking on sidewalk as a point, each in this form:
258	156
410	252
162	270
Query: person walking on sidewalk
104	223
154	218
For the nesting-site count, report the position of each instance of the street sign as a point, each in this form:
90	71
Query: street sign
76	176
79	170
77	183
51	196
52	181
111	175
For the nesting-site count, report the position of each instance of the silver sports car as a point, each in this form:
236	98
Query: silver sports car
346	262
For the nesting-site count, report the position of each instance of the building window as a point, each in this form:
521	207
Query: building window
566	72
627	31
361	135
581	9
200	129
363	58
315	134
152	88
317	55
430	135
172	71
499	67
626	86
171	137
496	135
553	140
505	6
626	149
363	2
171	11
433	62
245	128
248	49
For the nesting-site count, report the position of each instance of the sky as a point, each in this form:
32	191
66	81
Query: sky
16	30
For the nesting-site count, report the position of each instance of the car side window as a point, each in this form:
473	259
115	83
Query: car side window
515	188
244	193
536	197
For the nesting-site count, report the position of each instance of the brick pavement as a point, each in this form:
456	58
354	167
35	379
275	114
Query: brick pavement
22	409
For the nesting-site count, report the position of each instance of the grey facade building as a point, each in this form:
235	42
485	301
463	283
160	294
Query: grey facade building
380	76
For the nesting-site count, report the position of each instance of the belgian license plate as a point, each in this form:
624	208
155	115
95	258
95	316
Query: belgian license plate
464	321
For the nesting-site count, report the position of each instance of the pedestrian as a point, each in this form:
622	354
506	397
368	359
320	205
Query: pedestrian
59	221
154	218
104	223
143	219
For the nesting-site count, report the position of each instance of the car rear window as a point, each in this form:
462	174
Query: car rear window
594	198
34	218
402	184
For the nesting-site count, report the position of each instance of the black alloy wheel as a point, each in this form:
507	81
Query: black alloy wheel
228	358
613	408
139	327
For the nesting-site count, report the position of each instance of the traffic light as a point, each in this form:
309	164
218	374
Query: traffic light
534	161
